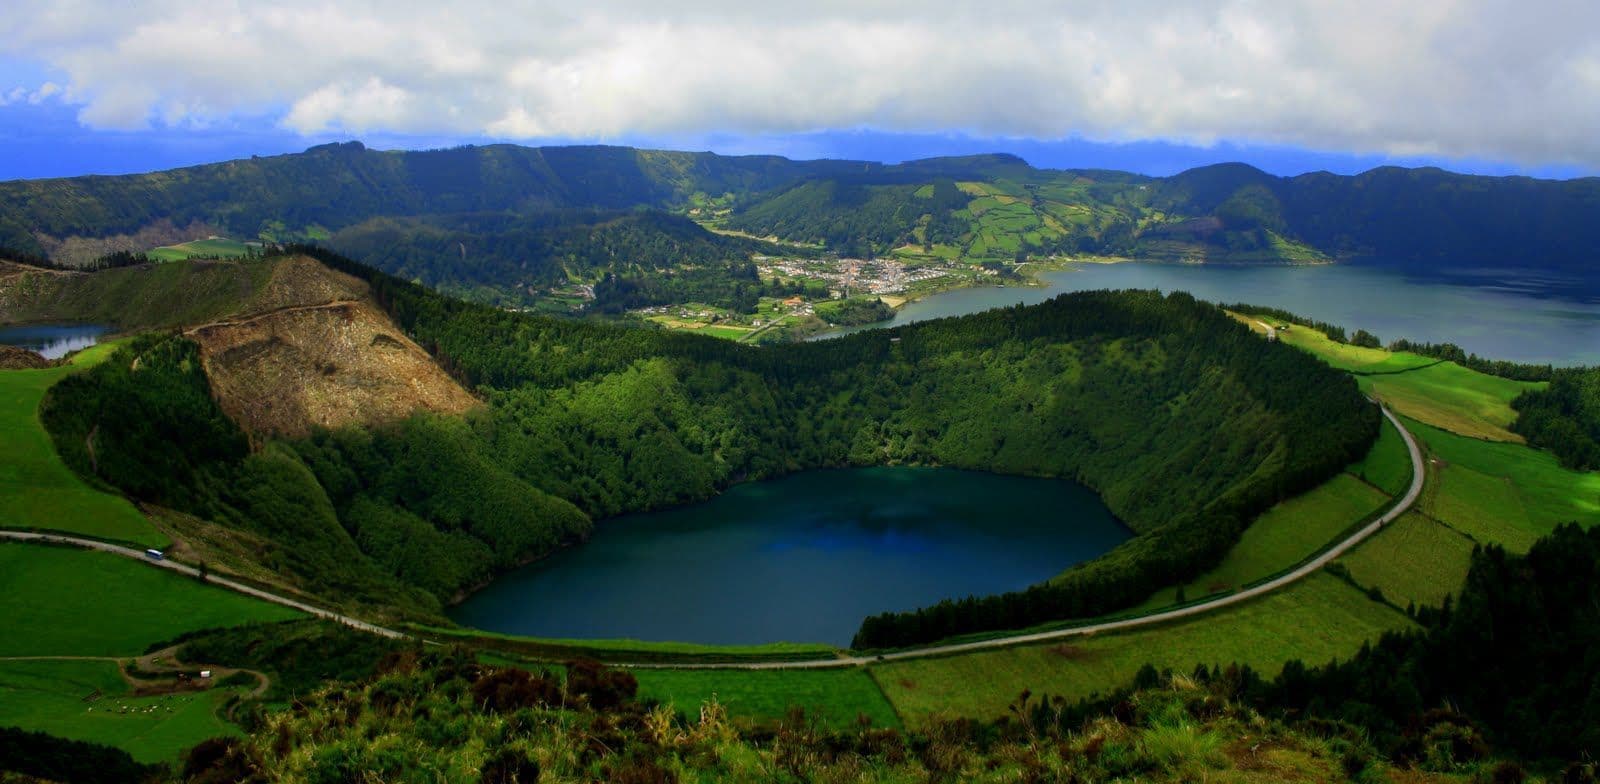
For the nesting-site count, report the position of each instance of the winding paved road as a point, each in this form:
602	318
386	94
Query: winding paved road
1304	570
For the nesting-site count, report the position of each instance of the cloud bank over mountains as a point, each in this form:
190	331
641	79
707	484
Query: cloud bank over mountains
1515	81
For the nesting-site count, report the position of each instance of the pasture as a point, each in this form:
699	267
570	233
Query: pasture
1503	493
1412	560
1452	397
1314	620
1285	535
835	697
1388	465
37	490
209	248
61	601
1443	394
89	700
636	650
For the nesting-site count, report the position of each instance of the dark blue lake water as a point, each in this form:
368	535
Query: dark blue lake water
53	341
802	559
1496	314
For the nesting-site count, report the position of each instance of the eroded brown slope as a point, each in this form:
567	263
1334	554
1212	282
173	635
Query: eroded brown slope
288	344
342	363
311	349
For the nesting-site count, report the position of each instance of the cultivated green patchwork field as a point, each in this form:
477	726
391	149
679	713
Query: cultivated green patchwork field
1439	393
214	247
89	700
37	490
1502	493
1414	560
1388	466
1455	398
61	601
1317	619
1287	534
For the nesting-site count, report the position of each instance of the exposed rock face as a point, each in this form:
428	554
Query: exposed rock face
13	358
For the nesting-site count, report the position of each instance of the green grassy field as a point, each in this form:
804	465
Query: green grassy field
1450	396
1285	535
1388	465
796	650
59	601
1317	619
37	490
215	247
1504	493
1343	355
836	697
1443	394
1413	560
58	697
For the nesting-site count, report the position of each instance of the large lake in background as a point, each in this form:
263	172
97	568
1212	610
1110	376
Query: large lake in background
1495	314
802	559
52	341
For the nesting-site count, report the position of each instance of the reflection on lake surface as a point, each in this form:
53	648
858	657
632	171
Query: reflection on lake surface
804	558
52	341
1494	313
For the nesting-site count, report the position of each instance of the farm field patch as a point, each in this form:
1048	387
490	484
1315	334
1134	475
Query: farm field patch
37	490
1414	560
61	601
836	697
1283	536
1314	620
89	700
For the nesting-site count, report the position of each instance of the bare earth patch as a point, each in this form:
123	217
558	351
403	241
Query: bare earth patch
343	363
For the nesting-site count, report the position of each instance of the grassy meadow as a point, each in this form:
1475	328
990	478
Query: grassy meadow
1414	560
213	247
89	700
1316	619
61	601
642	650
1502	493
37	490
1388	465
1452	397
1442	394
1282	537
836	697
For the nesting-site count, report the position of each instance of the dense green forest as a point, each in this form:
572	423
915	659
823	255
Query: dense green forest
1564	417
645	257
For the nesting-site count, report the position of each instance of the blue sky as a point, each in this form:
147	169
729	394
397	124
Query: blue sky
1483	86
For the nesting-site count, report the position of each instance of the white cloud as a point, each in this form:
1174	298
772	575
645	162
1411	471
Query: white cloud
1517	81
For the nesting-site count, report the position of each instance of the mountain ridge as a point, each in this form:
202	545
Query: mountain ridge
1005	209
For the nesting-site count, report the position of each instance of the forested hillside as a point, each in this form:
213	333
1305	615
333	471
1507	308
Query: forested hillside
1184	422
650	257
